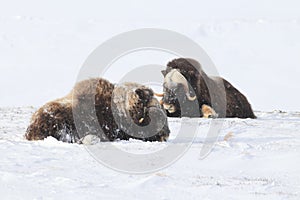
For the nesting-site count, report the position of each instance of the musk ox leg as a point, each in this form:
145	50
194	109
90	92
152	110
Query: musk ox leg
208	112
53	119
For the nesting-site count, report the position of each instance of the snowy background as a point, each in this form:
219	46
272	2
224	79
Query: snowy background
254	44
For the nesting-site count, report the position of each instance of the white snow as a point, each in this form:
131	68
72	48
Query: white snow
254	44
252	159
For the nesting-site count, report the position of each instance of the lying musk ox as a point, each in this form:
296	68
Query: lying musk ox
186	83
99	108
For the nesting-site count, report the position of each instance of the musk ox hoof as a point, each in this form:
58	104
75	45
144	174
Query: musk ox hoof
117	112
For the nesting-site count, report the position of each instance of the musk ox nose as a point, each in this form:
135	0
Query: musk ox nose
168	99
153	124
157	115
157	120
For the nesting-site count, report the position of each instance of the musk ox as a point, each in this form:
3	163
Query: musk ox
99	108
186	83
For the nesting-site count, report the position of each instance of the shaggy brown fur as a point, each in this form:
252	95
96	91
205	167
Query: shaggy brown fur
237	104
98	107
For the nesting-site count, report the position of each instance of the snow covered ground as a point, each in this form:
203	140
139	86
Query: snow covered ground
252	159
254	44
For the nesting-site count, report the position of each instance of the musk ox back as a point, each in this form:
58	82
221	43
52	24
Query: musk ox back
186	83
99	108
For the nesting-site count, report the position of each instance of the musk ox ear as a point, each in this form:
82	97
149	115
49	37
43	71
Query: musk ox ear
164	72
144	93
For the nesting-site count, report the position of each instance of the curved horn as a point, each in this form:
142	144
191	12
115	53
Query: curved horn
175	76
159	95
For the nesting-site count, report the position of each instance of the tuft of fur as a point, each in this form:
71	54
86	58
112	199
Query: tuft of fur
98	107
208	112
237	104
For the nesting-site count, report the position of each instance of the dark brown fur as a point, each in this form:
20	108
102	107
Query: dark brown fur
71	118
237	104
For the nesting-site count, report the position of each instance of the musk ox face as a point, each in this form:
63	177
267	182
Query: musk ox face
138	113
170	100
176	92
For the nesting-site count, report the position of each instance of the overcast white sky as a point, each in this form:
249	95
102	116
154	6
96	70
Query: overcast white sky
155	9
254	44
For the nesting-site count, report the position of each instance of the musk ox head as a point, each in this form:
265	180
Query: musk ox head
181	84
138	113
176	92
